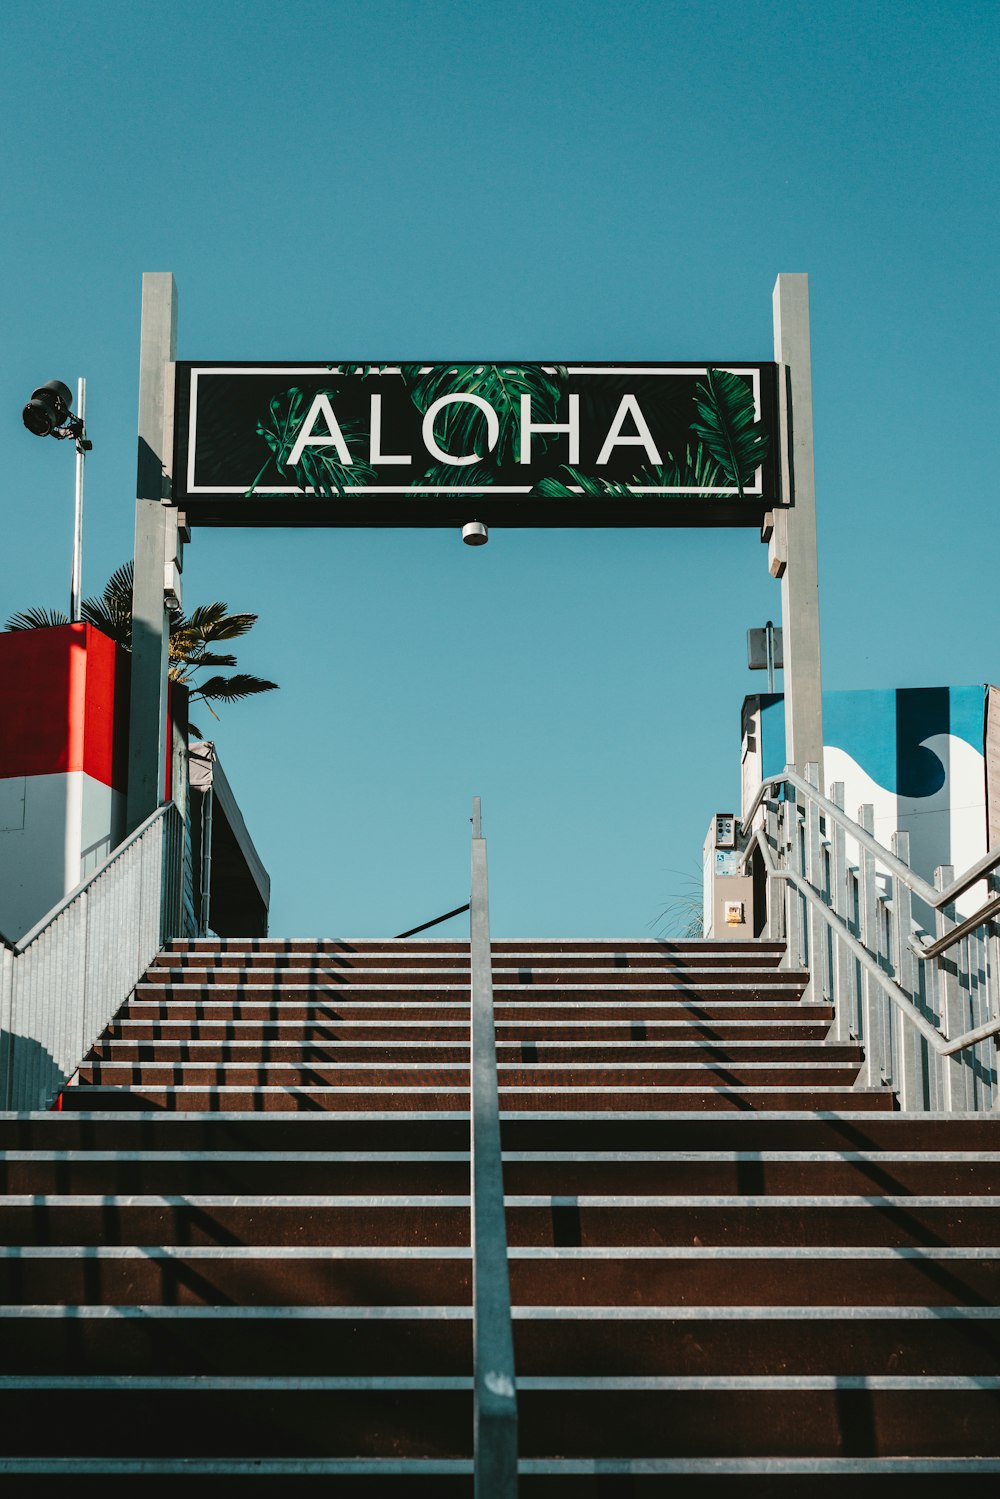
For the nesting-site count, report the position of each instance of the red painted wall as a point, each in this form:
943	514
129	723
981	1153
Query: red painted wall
64	696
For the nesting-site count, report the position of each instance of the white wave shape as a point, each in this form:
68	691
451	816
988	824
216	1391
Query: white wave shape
946	828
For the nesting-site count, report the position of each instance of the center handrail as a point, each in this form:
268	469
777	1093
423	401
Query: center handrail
493	1340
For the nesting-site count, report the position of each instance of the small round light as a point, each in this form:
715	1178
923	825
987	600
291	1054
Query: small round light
475	534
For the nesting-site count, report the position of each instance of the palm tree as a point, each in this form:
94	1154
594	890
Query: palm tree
191	639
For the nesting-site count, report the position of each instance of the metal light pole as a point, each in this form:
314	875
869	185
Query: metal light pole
76	574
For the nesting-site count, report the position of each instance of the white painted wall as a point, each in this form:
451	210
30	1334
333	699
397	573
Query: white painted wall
54	830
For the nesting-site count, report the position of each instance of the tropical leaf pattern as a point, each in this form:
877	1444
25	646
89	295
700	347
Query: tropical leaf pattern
320	470
729	428
461	428
446	476
698	472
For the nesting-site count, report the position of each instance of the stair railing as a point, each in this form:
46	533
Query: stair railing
63	981
493	1342
860	919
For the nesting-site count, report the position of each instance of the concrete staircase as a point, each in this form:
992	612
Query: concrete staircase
240	1246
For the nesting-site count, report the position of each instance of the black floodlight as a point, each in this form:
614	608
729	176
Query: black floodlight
48	409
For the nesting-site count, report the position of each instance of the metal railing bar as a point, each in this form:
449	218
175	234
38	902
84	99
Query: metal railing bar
931	897
436	922
95	874
941	1044
977	919
493	1342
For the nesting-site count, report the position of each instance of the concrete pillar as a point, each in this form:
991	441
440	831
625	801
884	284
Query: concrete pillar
793	548
154	523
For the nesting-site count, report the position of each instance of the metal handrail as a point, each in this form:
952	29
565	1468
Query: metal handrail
68	899
65	979
425	926
936	899
903	1001
986	912
495	1415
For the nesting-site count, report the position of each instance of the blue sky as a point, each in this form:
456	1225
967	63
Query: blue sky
574	181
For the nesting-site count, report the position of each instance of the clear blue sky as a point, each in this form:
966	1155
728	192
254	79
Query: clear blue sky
568	181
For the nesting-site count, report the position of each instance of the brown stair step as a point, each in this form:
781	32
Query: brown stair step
752	1221
686	1416
244	1219
288	1010
737	1275
434	1073
626	1020
223	1275
546	981
753	1173
267	1099
590	1276
556	1173
723	1098
222	1415
329	1172
358	1132
262	1030
586	1221
392	1051
687	1130
757	1340
286	1340
292	962
548	1053
687	1340
758	1416
255	1099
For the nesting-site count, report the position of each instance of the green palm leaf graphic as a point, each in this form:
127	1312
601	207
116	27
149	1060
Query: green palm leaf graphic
699	471
320	470
461	429
728	426
448	477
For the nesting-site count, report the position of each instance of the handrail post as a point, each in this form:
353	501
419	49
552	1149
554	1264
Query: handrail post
842	973
954	1073
870	1029
493	1342
913	1067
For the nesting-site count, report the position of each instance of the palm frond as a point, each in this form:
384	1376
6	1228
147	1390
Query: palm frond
461	428
211	658
728	427
231	689
112	615
121	583
210	622
37	619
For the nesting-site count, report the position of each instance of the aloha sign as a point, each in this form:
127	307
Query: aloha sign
442	444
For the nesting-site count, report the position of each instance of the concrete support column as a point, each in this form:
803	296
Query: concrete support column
155	523
793	550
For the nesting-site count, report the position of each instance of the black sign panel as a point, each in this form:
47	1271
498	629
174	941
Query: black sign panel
506	444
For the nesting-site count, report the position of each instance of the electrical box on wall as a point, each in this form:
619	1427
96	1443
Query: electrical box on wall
728	892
